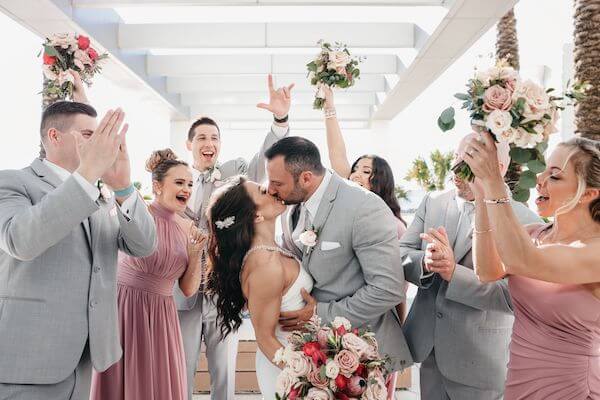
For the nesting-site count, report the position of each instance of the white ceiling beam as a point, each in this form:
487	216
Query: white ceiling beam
297	112
465	22
172	3
252	35
258	83
252	98
184	65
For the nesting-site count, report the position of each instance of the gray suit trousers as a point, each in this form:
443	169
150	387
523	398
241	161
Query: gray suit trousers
221	355
75	387
434	386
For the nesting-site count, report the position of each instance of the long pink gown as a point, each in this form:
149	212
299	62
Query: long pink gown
153	362
555	346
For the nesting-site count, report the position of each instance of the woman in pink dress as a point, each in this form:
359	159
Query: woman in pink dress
553	270
371	172
153	362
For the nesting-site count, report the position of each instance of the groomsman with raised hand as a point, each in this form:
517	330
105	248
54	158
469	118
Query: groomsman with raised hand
59	240
458	328
198	313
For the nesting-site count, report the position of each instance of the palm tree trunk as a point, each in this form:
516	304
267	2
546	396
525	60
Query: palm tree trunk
507	47
587	66
507	43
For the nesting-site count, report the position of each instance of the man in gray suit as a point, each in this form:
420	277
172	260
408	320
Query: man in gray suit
198	313
457	327
59	240
355	260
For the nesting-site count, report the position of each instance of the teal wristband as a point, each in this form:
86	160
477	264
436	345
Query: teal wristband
125	192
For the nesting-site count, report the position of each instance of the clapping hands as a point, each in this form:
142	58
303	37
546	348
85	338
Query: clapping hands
439	256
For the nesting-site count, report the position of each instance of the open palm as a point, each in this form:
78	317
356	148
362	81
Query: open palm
280	100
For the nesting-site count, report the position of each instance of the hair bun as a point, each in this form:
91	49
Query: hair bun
158	157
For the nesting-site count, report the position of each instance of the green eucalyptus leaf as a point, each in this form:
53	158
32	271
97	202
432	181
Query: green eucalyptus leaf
447	115
519	155
536	166
527	180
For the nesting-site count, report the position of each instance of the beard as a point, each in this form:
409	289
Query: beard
296	196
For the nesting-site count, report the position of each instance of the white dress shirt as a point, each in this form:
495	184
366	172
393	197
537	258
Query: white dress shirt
308	209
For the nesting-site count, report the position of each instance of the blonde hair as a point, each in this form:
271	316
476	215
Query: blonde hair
585	158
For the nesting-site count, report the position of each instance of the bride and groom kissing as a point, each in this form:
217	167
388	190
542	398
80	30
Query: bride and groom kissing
339	244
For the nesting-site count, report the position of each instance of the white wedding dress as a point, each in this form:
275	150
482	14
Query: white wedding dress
266	371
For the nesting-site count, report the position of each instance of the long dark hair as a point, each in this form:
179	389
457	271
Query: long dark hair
227	247
382	183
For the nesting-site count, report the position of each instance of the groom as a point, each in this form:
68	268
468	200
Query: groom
198	313
355	260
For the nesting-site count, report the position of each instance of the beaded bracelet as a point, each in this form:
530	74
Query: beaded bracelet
475	231
329	113
502	200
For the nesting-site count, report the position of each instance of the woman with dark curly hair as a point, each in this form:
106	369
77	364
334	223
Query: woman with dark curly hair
249	271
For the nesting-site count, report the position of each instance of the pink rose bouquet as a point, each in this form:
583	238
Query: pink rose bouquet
520	113
333	66
331	361
64	52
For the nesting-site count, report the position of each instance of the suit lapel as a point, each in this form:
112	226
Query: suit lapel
207	189
322	214
464	238
45	174
287	232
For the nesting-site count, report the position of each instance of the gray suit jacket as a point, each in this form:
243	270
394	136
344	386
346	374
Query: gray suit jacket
362	279
469	323
255	171
58	274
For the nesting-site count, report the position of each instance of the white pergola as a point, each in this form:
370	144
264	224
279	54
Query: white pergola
202	57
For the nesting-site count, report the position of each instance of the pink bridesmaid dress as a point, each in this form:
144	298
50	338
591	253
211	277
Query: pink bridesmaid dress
153	362
555	346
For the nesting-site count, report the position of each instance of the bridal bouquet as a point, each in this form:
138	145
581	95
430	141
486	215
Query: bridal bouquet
333	66
521	113
64	52
330	362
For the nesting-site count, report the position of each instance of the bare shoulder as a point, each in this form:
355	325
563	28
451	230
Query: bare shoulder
531	228
263	264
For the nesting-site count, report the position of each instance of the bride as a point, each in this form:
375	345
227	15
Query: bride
249	271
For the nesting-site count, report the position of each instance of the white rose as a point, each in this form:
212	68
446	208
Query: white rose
308	238
298	364
319	394
376	390
64	40
285	381
48	73
508	136
332	370
341	321
527	140
498	121
65	76
537	101
337	59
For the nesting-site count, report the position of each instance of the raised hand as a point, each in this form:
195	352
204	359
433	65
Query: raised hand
439	256
99	153
280	100
196	240
78	88
118	176
329	104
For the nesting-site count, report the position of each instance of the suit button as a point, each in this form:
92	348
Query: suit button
439	315
402	362
97	269
93	303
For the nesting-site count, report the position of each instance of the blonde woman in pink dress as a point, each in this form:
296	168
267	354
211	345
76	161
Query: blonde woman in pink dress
153	362
553	269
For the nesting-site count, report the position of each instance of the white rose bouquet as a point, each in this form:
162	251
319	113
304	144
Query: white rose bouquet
521	113
63	53
333	66
331	361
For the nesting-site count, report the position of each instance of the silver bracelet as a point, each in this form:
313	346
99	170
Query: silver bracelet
329	113
502	200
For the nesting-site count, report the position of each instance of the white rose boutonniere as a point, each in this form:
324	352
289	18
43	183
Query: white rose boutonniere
309	238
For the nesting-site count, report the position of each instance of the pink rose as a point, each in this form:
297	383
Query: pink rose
376	390
285	382
337	59
355	344
319	394
323	336
298	364
348	362
496	98
314	377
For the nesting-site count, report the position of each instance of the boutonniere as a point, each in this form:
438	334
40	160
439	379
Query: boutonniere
212	175
309	239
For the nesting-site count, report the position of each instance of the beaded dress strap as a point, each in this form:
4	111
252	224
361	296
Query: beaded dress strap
268	248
